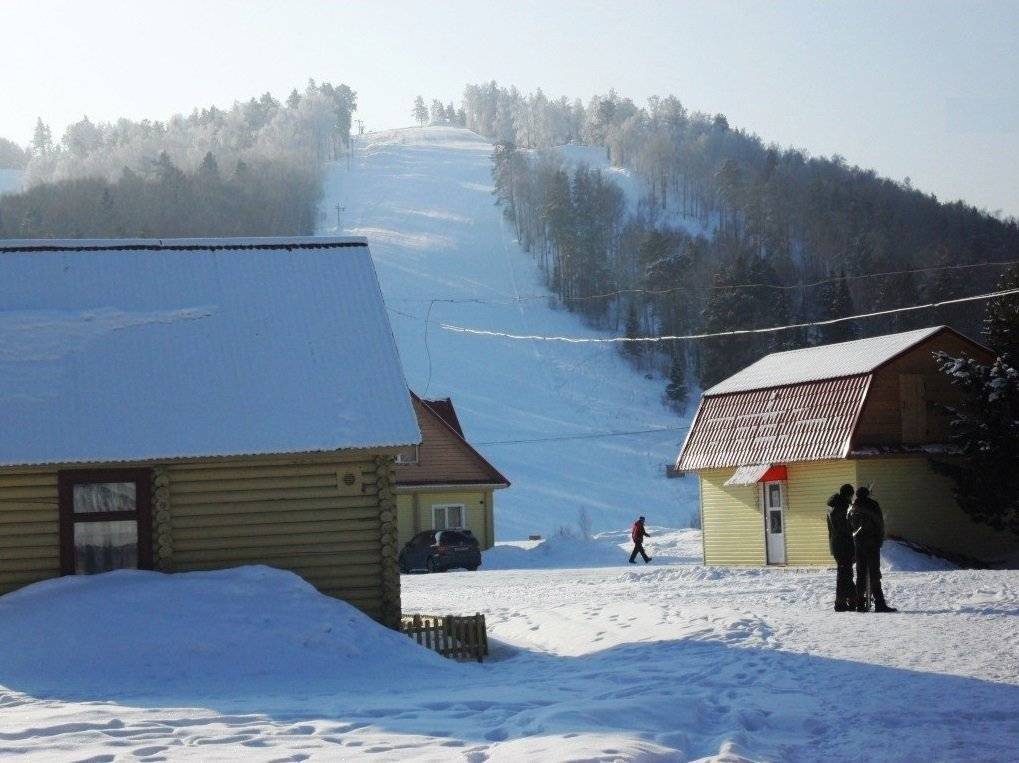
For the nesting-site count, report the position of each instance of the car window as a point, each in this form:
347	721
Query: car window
455	538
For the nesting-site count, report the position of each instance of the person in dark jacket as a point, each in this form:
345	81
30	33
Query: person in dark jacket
868	526
840	542
638	534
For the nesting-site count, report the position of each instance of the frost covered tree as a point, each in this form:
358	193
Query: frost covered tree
985	428
420	111
42	138
836	302
1001	323
12	156
438	112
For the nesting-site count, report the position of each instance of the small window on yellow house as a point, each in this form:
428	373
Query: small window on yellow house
449	516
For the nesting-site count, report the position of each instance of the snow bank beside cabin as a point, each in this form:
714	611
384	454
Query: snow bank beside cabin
231	633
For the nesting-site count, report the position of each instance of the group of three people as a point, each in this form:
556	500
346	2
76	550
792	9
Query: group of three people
856	530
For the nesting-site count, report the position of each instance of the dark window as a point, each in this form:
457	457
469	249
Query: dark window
105	520
775	517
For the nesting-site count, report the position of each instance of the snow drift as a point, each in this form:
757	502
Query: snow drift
188	636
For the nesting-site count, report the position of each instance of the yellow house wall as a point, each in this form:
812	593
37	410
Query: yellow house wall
29	528
810	485
478	505
918	505
294	513
732	522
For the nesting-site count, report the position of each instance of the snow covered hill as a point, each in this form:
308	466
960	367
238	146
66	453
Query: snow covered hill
423	198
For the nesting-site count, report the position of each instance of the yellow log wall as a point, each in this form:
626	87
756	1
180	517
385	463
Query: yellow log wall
294	513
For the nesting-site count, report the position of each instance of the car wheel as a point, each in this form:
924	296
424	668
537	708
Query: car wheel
473	569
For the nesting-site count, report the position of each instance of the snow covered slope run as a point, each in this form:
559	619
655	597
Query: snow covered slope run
423	197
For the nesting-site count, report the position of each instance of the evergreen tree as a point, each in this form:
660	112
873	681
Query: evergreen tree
985	427
294	99
1001	323
837	302
676	391
42	138
632	349
420	111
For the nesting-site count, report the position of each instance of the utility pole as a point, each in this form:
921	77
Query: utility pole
338	210
360	126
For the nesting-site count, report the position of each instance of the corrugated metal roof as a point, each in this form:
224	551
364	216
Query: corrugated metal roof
142	350
829	361
801	422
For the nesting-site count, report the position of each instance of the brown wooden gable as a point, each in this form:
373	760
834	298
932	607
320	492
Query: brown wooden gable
908	394
896	406
444	456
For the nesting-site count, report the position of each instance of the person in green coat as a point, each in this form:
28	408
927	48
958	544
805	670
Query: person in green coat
868	526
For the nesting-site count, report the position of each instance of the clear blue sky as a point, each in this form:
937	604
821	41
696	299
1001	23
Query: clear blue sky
928	90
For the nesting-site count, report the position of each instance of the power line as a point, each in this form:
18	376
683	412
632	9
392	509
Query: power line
734	332
587	436
711	287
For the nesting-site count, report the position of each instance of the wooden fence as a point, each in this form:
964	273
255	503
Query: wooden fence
453	636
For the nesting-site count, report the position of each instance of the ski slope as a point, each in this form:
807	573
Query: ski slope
444	254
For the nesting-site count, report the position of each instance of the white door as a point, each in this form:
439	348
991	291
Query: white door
774	521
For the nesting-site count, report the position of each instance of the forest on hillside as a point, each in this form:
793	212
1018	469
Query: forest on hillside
252	169
732	232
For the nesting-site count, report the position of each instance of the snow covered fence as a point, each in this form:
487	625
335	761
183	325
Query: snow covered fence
451	636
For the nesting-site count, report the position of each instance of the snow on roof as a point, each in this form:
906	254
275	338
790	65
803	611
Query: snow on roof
829	361
147	349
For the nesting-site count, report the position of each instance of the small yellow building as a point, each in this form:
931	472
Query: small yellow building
445	483
198	404
771	443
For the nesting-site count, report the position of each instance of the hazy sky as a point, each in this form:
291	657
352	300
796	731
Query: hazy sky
928	90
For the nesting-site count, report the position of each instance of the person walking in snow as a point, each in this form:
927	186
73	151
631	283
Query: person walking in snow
638	534
867	524
840	542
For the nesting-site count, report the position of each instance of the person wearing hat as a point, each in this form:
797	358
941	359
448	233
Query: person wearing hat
840	543
638	534
867	524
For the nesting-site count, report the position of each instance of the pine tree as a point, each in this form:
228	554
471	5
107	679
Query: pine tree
985	428
1001	323
676	392
837	302
420	111
632	349
42	138
294	99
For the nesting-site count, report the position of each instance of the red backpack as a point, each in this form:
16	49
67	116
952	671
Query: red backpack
636	532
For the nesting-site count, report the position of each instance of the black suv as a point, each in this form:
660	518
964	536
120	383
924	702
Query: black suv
441	550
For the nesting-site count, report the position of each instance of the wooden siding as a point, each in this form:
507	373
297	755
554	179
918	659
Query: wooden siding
296	513
731	519
299	517
918	506
893	389
809	486
29	528
444	458
477	504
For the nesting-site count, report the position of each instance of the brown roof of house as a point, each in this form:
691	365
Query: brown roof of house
800	422
802	405
444	456
445	411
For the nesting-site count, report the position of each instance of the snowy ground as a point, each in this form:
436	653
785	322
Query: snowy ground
423	197
671	661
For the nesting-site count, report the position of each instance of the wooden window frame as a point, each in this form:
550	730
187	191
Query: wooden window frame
142	514
446	507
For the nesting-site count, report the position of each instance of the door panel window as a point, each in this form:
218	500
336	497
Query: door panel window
775	520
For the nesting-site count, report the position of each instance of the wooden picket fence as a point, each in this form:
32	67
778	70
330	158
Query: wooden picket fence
454	636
